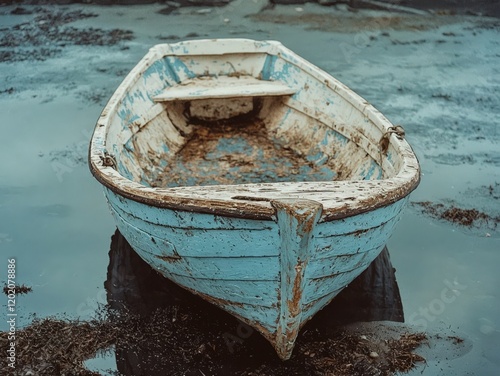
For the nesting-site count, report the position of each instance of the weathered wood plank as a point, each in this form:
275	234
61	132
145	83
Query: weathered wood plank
223	87
354	241
254	293
205	241
320	287
256	269
159	250
337	264
180	219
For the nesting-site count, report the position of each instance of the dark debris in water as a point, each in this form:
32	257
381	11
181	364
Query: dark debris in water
154	327
18	289
45	35
96	95
9	91
21	11
348	354
459	216
55	346
454	159
494	190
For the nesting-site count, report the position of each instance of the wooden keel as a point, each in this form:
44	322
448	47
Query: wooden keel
296	220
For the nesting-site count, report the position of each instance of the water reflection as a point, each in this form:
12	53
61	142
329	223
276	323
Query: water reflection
220	342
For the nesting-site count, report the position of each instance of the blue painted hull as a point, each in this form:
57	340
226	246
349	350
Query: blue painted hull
237	264
250	177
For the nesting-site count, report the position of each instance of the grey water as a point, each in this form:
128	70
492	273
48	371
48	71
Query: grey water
438	77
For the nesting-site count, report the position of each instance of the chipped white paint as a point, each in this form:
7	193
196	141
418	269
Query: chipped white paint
223	87
271	253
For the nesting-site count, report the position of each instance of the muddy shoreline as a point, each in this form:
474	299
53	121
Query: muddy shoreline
435	74
155	326
490	8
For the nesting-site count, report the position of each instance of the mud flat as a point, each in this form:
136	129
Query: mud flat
435	75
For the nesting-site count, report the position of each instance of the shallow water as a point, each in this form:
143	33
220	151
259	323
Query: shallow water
440	81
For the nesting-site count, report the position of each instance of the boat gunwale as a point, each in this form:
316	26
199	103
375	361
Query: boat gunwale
254	200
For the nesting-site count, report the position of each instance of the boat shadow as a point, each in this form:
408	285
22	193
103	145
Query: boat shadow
194	335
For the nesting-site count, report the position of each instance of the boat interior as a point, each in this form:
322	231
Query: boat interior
224	119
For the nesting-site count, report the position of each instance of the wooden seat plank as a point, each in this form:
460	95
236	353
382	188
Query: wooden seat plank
223	87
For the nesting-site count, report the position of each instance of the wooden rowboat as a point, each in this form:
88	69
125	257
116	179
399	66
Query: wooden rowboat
250	177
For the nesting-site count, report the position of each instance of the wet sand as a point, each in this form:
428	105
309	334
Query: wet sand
436	75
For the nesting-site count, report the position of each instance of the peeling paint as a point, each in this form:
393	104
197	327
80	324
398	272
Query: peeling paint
277	247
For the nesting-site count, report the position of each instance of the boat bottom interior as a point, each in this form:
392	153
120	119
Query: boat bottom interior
243	140
237	153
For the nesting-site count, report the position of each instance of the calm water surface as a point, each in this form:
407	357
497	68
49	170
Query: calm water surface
441	83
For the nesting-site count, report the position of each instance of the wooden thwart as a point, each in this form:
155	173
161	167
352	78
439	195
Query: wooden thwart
223	87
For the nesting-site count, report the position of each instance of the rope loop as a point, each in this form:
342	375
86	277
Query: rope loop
108	160
398	130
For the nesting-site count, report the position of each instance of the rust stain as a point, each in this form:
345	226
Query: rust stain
330	276
299	133
250	198
294	305
169	259
201	161
303	210
360	232
308	224
385	140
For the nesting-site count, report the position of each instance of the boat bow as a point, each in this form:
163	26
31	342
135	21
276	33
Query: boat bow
296	220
